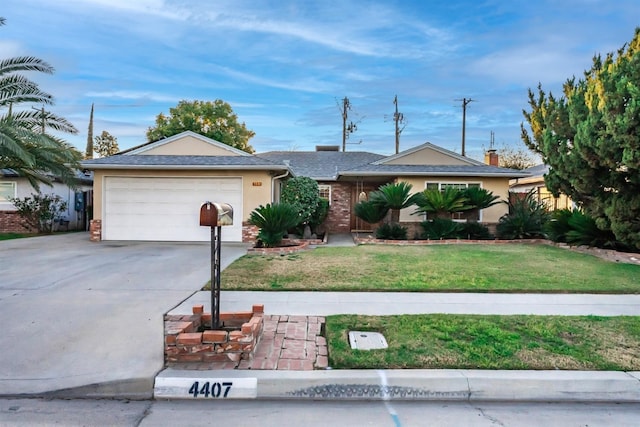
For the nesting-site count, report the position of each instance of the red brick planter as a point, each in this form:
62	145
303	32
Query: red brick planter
186	338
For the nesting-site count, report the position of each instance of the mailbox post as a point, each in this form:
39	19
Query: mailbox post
215	215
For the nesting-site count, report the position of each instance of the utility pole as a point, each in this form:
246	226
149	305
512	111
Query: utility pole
465	102
346	128
398	118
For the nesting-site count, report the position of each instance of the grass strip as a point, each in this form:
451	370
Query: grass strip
435	341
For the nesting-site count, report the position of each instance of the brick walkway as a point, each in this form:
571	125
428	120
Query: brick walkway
288	343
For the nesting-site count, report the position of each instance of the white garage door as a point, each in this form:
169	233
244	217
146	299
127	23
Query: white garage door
167	209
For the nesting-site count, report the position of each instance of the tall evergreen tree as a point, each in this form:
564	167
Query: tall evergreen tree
590	138
88	152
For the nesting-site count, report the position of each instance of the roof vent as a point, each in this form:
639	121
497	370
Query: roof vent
327	148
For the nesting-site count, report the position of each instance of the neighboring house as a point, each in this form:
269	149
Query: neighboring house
154	191
14	186
536	183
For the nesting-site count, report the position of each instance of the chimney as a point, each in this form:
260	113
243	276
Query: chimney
327	148
491	157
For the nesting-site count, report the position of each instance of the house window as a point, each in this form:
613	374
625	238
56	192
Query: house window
456	216
7	191
324	190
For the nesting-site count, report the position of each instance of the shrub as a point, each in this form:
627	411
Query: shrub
440	228
391	232
273	220
558	226
370	211
585	231
474	231
302	194
525	220
320	214
40	211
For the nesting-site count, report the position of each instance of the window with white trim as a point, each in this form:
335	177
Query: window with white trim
456	216
324	191
7	190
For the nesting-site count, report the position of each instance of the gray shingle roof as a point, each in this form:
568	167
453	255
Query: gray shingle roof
134	161
538	170
321	165
434	170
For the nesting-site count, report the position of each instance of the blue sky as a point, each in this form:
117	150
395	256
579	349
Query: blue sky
285	65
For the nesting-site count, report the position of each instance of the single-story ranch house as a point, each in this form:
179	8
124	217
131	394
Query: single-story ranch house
154	191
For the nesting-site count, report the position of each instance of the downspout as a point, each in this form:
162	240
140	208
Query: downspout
273	184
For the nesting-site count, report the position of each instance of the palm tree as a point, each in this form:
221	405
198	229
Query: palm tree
478	199
25	146
441	203
393	196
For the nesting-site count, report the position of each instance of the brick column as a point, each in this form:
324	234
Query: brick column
95	230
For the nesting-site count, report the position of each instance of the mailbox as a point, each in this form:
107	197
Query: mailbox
216	214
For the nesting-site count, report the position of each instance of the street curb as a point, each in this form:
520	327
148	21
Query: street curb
426	385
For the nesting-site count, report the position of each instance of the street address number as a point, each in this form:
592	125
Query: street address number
208	389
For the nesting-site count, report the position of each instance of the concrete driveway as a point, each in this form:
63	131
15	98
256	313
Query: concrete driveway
88	316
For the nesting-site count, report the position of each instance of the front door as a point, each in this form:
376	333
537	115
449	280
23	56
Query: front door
360	191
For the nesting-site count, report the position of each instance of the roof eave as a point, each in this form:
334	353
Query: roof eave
184	167
447	174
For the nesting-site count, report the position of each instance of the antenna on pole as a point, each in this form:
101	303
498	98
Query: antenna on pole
465	102
42	118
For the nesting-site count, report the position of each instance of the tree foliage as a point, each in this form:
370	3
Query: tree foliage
590	138
88	152
106	144
441	204
25	145
515	157
394	197
215	120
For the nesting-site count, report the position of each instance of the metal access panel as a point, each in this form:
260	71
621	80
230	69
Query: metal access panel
361	340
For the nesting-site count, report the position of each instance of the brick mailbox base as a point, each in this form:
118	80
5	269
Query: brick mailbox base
187	339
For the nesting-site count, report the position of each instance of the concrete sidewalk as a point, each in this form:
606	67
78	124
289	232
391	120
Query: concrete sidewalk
272	378
388	303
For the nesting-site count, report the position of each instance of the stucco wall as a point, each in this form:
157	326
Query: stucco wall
189	146
256	186
498	186
426	156
24	189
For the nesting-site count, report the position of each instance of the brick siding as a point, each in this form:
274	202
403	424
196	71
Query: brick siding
11	222
339	217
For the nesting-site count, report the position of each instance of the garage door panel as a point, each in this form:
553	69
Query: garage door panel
167	209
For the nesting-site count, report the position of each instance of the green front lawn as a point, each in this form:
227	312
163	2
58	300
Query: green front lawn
437	268
433	341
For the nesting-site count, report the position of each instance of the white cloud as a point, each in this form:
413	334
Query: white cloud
134	95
